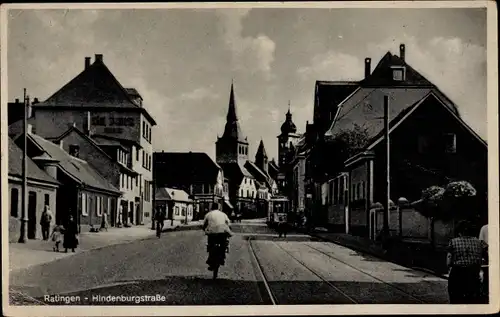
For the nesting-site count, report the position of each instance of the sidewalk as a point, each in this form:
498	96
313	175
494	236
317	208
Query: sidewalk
414	255
36	252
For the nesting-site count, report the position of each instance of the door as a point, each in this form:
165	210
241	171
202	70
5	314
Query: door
131	212
32	221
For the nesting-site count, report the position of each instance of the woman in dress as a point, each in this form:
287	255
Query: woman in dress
70	235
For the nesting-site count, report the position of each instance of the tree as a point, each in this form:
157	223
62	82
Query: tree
345	144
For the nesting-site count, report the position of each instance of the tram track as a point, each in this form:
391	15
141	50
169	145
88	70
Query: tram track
368	274
269	292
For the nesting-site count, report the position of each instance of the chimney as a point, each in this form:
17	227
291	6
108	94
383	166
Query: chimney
30	128
61	144
402	52
17	100
35	101
368	67
98	58
87	62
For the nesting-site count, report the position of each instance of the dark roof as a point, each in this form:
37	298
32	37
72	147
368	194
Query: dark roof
95	86
331	93
382	74
232	129
76	168
16	128
176	168
257	173
235	172
33	172
96	146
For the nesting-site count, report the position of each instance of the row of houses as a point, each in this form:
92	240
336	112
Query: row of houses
240	185
91	144
335	171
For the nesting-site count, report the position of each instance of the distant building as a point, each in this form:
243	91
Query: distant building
113	116
177	200
85	193
249	183
42	191
195	173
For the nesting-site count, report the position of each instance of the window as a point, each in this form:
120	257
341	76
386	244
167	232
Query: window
358	190
335	191
150	138
248	193
122	180
143	128
98	206
137	151
14	202
177	210
450	143
46	200
353	194
74	150
127	180
398	74
84	205
341	191
183	212
136	181
143	158
149	163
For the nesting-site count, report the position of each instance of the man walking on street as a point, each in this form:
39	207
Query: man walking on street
45	222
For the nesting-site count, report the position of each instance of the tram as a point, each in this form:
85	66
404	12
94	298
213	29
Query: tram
279	207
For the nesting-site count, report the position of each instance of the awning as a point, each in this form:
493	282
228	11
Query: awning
228	204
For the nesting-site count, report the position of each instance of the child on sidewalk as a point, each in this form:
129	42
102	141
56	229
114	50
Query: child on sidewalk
57	237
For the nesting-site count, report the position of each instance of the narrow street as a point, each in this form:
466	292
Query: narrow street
260	269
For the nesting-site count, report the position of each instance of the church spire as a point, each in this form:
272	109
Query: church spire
261	151
261	159
232	129
231	111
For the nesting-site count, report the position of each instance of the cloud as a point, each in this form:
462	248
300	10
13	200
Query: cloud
249	54
456	67
332	65
201	93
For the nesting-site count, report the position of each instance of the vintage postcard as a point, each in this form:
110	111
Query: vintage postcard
189	159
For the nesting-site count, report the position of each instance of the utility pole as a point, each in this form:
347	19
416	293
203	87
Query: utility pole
24	213
387	170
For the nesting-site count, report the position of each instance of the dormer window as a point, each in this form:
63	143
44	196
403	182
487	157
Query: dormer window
398	73
74	150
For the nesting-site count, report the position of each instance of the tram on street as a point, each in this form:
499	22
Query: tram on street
279	207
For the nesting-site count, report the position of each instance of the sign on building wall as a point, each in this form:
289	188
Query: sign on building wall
113	124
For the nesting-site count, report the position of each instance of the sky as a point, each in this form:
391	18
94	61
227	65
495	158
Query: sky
182	61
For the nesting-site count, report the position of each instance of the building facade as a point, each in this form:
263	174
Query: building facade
193	172
96	103
41	191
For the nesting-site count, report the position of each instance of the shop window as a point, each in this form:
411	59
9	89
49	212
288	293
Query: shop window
14	202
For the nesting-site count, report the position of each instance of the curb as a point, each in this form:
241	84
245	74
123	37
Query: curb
377	255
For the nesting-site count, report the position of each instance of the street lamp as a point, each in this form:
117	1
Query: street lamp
24	215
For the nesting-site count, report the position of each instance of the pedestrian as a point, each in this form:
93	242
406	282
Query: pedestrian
70	235
57	237
160	220
282	227
45	221
104	221
464	258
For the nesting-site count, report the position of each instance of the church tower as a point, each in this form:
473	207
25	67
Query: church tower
261	159
287	138
232	147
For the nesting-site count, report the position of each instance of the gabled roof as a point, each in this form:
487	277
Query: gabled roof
33	172
382	74
394	123
96	146
175	168
235	172
95	84
75	168
166	193
257	173
366	108
331	93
